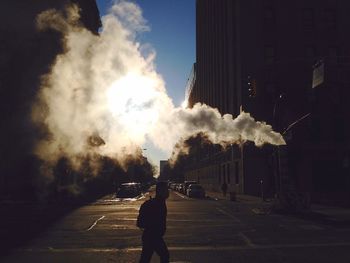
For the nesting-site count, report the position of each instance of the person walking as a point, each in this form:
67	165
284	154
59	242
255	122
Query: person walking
152	219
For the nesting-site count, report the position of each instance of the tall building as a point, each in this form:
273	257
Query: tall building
258	56
26	55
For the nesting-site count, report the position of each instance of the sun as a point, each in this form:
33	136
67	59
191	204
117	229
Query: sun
132	100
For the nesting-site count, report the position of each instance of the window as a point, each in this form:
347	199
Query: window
251	87
310	52
269	55
223	173
270	87
228	173
338	124
308	19
268	3
269	17
330	19
310	55
333	54
236	173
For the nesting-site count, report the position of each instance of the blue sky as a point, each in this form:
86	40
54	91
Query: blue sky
172	35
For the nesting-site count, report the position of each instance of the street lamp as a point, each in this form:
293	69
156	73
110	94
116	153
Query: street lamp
279	173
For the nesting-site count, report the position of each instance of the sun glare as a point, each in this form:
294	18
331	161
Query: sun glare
131	99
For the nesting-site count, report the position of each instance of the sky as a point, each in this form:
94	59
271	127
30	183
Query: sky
172	35
108	94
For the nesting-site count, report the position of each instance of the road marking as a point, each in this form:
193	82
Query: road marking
228	214
246	239
189	248
95	223
182	196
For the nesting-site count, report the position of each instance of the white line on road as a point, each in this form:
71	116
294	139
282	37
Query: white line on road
95	223
189	248
246	239
228	214
182	196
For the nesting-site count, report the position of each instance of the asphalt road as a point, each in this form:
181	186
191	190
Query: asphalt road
199	230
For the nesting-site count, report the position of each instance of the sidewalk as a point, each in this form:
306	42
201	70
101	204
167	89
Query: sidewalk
239	197
253	203
336	216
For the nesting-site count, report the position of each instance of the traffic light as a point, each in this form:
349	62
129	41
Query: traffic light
251	83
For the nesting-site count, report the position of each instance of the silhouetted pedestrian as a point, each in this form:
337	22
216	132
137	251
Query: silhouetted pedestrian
224	189
152	219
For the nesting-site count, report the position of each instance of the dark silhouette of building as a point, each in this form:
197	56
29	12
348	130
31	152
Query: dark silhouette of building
26	55
258	56
163	176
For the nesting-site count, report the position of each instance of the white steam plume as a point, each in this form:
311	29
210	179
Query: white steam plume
104	86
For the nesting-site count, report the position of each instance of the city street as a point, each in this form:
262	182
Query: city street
206	230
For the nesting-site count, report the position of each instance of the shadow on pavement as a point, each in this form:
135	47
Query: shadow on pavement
21	222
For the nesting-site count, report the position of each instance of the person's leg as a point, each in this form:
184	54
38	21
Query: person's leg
147	250
162	251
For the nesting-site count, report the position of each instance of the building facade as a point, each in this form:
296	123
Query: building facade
258	56
25	56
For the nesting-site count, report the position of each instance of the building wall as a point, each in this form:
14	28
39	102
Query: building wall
274	44
26	55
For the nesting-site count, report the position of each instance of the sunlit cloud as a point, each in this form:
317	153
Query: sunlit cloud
132	106
184	104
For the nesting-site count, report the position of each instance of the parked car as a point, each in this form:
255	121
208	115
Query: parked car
129	190
195	190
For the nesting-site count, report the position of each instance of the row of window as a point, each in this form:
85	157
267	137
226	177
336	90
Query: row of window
308	20
310	53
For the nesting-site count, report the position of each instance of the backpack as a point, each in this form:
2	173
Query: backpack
145	214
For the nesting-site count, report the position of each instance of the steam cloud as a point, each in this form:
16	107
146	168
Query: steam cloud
103	95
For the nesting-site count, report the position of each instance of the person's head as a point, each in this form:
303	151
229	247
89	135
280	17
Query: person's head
162	191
